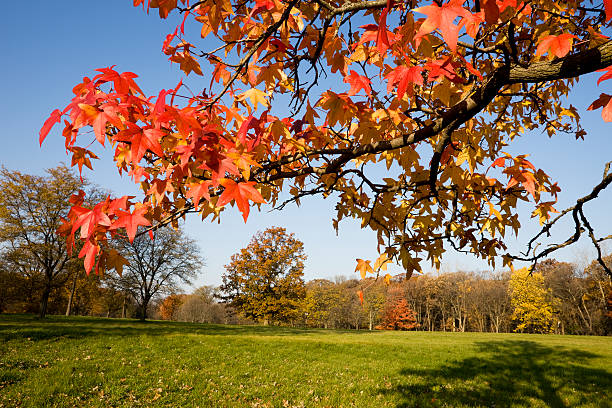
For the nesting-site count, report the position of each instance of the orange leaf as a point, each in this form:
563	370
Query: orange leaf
241	193
358	82
188	62
559	45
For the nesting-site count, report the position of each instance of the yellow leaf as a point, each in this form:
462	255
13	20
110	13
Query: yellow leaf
363	267
256	96
493	211
381	262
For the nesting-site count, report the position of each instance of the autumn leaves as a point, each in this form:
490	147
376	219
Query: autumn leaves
421	90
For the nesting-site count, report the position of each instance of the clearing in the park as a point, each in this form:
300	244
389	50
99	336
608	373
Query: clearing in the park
80	361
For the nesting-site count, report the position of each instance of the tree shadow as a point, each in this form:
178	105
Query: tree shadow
508	373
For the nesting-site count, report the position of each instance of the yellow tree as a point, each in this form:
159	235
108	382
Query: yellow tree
31	211
264	280
532	303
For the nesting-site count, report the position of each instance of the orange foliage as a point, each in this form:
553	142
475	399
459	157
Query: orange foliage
170	305
434	91
398	316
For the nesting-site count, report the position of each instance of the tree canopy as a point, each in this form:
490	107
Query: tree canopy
401	111
264	280
31	210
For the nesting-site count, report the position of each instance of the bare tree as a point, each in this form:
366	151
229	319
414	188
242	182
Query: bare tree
157	266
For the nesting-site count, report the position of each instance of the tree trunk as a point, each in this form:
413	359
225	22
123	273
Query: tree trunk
72	292
143	310
123	307
370	326
44	302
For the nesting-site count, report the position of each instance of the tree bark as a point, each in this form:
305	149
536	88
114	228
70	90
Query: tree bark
72	292
143	310
44	301
123	307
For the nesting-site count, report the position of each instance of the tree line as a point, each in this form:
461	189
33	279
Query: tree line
558	297
264	284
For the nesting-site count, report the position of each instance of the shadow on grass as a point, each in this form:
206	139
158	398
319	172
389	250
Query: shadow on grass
56	327
509	373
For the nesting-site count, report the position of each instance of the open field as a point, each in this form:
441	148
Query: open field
99	362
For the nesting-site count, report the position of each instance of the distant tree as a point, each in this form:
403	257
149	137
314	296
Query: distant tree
31	211
170	305
595	300
264	280
398	316
496	302
609	306
533	309
373	301
157	266
321	296
200	309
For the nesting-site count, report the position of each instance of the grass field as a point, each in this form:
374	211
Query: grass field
100	362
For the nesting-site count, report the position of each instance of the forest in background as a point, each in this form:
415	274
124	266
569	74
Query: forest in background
563	299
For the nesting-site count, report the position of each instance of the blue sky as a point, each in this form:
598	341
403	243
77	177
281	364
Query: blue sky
50	46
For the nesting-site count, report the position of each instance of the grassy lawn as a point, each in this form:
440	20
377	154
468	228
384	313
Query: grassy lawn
100	362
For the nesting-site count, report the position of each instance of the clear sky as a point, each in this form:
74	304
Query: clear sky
49	46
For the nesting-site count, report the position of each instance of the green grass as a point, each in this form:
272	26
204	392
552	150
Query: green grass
100	362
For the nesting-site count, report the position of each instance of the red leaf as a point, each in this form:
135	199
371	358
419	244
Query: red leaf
141	141
247	124
559	45
358	82
607	75
99	126
89	251
360	293
52	120
404	76
499	162
442	18
168	40
130	221
382	39
197	191
604	100
491	10
608	8
87	219
241	193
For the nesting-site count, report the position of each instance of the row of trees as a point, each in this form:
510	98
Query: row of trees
556	298
39	274
264	283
